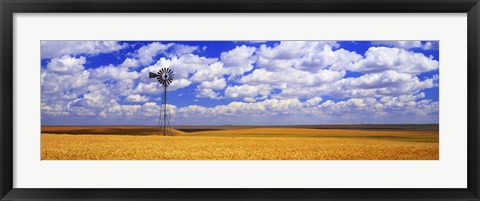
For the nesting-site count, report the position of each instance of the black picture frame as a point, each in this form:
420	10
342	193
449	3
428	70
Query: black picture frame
9	7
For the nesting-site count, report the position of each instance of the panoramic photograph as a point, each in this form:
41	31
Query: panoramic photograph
239	100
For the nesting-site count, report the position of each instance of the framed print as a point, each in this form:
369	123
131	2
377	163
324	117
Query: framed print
196	100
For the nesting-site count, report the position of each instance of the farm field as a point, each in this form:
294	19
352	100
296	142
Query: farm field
310	142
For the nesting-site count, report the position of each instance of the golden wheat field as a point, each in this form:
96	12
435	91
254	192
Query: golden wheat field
137	143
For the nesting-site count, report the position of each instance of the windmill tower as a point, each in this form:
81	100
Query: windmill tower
164	77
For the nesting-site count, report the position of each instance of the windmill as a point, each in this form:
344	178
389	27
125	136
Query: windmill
164	77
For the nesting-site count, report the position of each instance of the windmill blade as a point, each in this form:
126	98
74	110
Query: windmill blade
152	75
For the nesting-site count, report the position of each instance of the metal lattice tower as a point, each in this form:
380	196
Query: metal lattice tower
165	77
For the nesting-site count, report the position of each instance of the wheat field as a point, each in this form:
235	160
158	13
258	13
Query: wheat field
246	144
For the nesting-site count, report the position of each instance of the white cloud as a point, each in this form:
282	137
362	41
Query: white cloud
51	49
57	84
182	67
284	105
97	96
129	63
216	84
153	87
130	110
178	84
378	59
209	73
313	101
206	88
431	45
238	60
399	109
54	110
207	93
146	53
137	98
409	44
148	88
180	49
303	92
291	77
354	110
318	60
113	73
288	53
66	65
250	100
252	91
388	83
147	111
120	87
385	83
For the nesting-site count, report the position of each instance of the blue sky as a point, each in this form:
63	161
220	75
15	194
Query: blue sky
240	82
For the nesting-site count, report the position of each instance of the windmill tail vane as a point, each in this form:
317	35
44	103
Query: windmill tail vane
152	75
165	77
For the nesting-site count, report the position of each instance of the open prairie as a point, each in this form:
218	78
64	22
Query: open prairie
309	142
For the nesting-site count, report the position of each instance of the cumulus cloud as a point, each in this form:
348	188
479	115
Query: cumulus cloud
66	64
316	61
146	53
389	83
178	84
112	72
378	59
146	111
288	53
148	88
209	73
215	84
409	44
63	74
52	49
313	101
238	60
238	108
206	88
252	91
431	45
153	87
180	49
400	44
384	83
137	98
207	93
291	77
351	110
183	66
